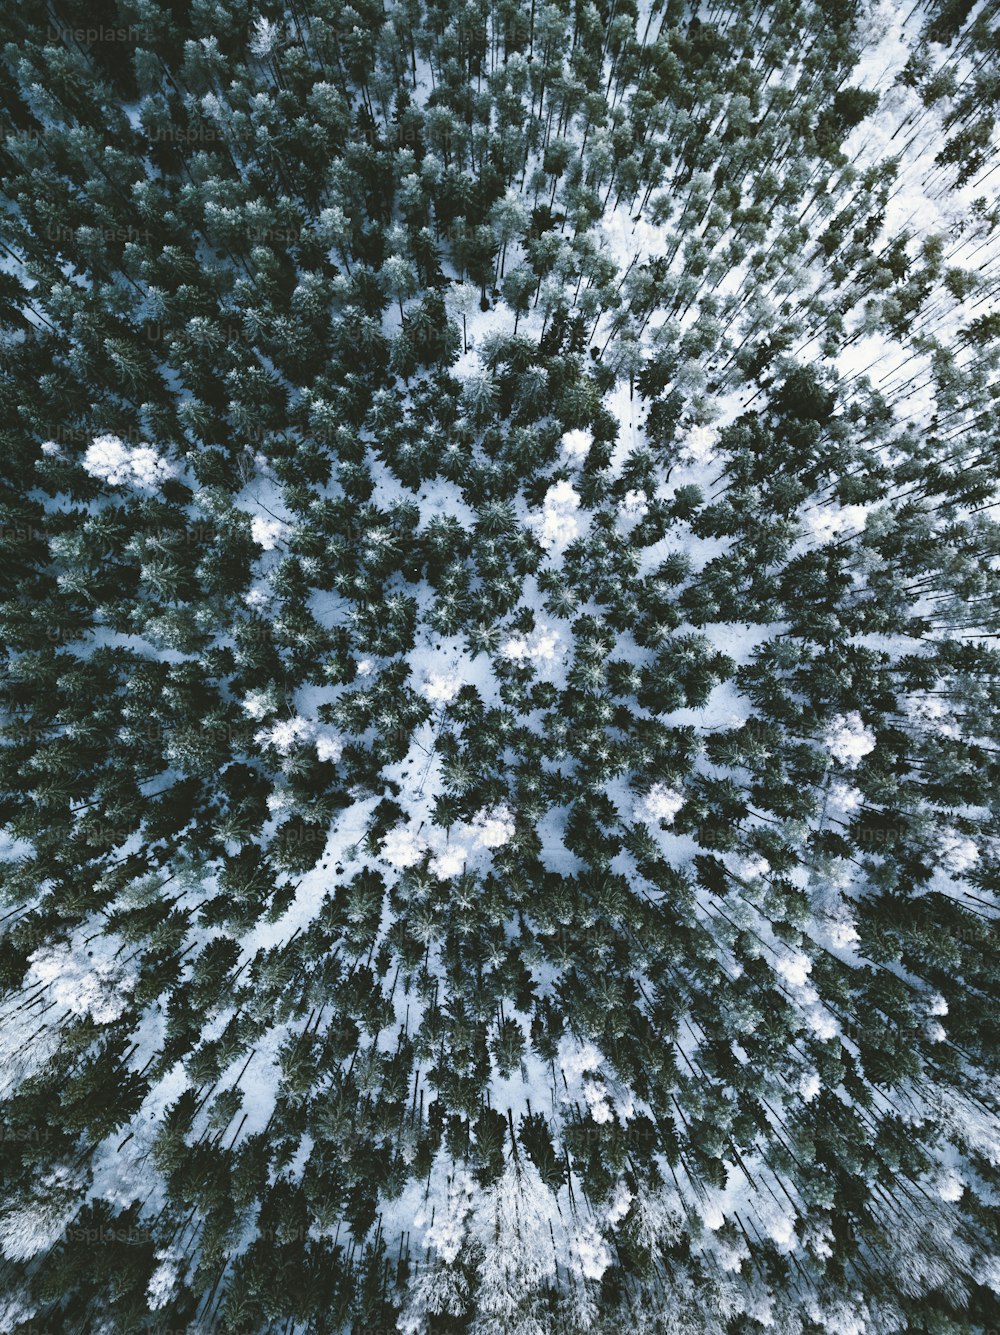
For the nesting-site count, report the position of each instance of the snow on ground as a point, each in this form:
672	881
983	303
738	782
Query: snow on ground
441	665
919	203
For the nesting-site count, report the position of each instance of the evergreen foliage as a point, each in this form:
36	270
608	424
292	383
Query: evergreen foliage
498	723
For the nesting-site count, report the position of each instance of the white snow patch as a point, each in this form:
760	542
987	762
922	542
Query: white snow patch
439	689
120	465
449	861
258	704
402	847
558	523
635	504
597	1102
493	827
958	853
809	1086
950	1187
85	979
287	734
267	533
848	740
795	969
621	1202
576	445
699	446
584	1059
827	522
661	803
540	647
329	746
590	1255
163	1281
844	797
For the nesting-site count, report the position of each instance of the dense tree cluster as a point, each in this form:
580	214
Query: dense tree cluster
497	729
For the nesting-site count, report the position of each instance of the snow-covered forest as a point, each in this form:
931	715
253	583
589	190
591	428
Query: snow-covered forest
499	603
